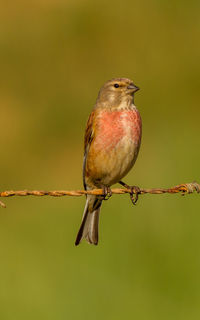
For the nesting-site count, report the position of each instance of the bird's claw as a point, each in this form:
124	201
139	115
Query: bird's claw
134	192
106	193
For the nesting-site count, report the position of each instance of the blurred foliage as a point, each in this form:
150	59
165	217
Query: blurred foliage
54	57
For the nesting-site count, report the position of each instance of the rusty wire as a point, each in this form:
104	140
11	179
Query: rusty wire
181	188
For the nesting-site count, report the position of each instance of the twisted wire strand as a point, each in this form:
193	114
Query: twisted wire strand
184	188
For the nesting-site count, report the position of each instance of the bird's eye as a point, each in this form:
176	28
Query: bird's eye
116	85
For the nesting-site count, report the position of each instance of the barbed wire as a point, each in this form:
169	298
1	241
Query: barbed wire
184	188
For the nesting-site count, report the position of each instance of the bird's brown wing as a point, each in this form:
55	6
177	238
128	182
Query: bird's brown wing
89	136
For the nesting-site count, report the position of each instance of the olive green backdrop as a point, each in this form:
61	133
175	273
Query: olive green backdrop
54	57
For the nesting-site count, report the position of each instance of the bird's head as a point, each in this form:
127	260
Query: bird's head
117	91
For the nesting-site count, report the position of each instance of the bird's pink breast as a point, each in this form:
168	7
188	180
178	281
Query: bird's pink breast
115	125
114	148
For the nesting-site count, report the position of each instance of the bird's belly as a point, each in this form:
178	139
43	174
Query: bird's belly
116	163
115	149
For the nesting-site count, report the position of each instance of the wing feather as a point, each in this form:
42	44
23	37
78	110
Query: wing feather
89	136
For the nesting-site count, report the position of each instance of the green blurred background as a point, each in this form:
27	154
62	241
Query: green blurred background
54	57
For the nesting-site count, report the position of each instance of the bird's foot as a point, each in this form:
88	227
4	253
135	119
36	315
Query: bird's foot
106	193
134	192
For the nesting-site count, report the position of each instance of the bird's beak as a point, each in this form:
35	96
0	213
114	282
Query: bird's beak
133	88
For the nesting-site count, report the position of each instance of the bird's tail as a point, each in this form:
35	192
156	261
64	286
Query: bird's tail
90	221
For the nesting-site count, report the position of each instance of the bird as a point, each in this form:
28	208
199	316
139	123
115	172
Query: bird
111	145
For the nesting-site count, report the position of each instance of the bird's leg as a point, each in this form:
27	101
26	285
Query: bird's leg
134	191
107	192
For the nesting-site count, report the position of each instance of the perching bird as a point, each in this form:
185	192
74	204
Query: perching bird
112	142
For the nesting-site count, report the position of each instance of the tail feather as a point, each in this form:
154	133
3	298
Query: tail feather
89	226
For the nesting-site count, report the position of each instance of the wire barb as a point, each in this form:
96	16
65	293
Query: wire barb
184	188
